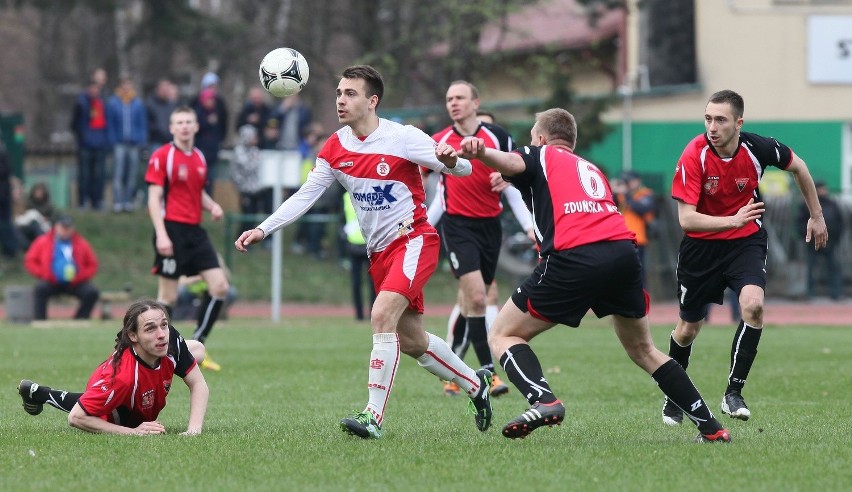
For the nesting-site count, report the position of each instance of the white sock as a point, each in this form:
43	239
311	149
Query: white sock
440	360
451	323
384	361
490	315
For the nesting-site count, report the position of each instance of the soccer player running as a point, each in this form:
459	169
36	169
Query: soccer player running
126	393
724	243
469	213
377	161
588	261
176	176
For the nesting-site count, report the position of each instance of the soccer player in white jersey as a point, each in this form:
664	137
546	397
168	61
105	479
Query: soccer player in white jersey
377	161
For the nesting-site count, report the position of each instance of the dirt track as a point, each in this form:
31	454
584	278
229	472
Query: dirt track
817	312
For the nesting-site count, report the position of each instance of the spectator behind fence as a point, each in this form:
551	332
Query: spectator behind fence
159	107
89	124
245	172
356	251
311	231
8	237
257	113
64	263
37	218
828	255
212	115
636	203
128	127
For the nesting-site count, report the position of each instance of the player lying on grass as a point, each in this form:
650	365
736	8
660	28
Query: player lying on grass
126	393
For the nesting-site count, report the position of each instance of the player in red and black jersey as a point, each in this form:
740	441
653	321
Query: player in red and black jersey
588	261
176	177
724	244
470	228
126	393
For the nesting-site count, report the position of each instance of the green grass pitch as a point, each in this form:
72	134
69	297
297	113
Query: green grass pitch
272	423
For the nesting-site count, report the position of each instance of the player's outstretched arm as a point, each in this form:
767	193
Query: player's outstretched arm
508	163
248	238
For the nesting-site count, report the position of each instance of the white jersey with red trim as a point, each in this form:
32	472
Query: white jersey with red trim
381	175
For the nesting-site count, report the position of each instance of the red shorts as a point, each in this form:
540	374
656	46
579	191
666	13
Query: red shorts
405	266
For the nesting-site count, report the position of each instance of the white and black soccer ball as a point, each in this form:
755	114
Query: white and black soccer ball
283	72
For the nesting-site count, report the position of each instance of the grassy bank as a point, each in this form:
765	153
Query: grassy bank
122	243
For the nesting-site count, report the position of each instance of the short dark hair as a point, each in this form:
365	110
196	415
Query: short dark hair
558	124
732	98
373	79
488	114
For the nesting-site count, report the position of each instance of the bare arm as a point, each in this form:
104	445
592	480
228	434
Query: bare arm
79	419
198	395
155	211
508	163
207	203
816	228
693	221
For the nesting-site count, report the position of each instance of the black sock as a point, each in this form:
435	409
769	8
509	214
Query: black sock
673	381
169	310
479	339
743	352
207	316
460	339
678	353
524	371
62	400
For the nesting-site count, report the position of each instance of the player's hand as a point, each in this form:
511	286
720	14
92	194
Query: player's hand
164	246
748	213
153	427
498	184
446	154
216	211
191	432
818	231
247	238
472	148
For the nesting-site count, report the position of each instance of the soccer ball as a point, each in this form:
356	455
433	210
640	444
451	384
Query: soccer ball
283	72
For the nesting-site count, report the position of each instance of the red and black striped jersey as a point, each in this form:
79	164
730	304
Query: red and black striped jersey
720	186
471	196
571	200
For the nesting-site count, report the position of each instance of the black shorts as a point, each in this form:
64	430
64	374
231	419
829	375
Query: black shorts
472	244
604	277
706	267
193	252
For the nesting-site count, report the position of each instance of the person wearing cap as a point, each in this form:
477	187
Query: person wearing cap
212	113
64	263
827	255
637	204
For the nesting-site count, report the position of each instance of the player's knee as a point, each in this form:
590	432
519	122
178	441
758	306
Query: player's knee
475	302
197	349
752	309
218	288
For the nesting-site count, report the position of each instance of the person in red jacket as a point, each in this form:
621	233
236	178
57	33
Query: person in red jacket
64	263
